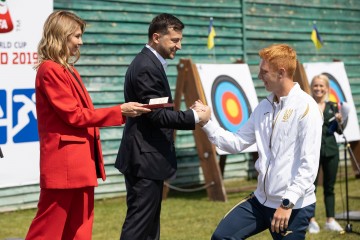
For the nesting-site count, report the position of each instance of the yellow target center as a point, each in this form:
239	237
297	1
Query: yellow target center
232	108
332	98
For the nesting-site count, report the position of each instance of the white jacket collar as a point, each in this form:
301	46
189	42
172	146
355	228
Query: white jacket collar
284	99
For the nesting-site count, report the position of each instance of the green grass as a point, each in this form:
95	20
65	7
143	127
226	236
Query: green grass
187	215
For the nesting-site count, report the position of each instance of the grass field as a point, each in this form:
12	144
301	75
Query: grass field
188	216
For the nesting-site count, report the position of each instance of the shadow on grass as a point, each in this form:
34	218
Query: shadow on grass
198	195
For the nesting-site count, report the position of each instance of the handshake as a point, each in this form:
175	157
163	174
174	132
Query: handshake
203	111
135	109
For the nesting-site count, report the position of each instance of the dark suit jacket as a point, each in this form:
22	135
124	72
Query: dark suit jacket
147	148
329	146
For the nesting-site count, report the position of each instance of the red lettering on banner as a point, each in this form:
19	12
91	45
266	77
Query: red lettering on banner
19	58
4	58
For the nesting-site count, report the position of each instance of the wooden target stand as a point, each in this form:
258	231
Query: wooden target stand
188	84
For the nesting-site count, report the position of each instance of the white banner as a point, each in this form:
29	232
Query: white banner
339	92
230	92
21	24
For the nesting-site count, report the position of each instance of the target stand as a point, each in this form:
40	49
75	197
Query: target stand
301	78
188	84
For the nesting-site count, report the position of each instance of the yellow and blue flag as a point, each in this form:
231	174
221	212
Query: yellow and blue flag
315	37
211	36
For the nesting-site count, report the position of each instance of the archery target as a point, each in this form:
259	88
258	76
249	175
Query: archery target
336	94
230	92
230	104
339	92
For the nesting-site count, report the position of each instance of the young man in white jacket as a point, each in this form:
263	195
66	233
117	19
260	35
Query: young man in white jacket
286	127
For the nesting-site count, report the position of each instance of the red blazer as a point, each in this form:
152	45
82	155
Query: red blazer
70	148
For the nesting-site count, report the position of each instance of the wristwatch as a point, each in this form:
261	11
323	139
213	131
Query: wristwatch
285	203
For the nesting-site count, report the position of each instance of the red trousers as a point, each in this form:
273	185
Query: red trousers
63	214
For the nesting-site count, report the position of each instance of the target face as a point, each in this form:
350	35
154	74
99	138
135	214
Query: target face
336	94
339	92
230	104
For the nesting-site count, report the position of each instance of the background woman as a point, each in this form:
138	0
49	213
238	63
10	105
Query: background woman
70	151
329	153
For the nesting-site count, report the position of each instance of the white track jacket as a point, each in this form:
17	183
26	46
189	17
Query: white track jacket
288	138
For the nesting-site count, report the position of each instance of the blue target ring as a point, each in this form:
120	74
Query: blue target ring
230	104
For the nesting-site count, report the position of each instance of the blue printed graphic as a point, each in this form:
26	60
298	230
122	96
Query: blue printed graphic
24	116
3	111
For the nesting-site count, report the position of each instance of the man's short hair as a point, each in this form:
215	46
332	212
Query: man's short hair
280	56
162	23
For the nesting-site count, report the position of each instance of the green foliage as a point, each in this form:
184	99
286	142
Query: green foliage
187	215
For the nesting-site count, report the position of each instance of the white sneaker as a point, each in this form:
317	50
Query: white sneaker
314	227
333	226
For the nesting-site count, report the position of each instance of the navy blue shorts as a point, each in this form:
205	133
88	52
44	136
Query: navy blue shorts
250	217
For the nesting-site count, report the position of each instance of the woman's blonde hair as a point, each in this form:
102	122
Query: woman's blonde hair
326	81
58	27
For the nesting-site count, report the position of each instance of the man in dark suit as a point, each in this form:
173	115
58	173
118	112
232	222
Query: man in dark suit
147	153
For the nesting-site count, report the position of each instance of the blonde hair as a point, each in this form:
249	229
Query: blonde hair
280	56
326	81
58	27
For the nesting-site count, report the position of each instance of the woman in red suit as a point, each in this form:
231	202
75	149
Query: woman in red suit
70	151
